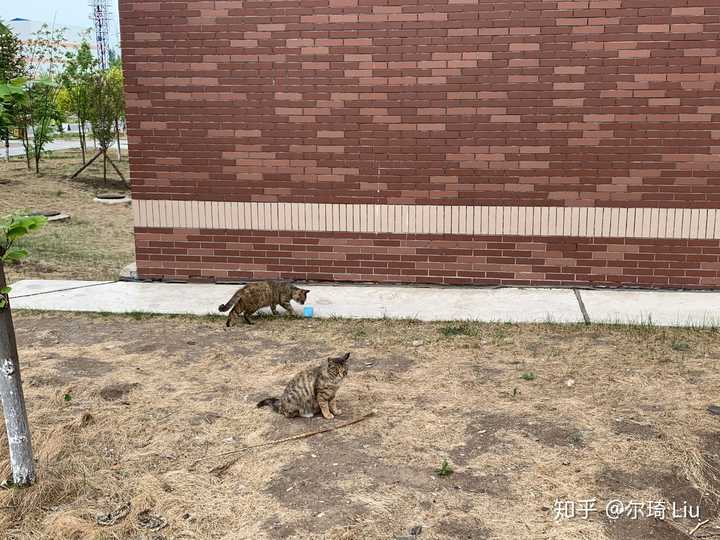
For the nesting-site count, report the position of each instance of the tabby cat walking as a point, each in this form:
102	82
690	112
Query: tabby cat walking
254	296
312	390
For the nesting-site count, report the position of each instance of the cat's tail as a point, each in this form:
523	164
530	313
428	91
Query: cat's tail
230	303
272	401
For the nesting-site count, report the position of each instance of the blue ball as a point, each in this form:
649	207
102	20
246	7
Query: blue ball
308	311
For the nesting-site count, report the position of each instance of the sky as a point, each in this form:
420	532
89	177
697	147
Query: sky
65	12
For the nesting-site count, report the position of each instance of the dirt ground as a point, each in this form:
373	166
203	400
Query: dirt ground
94	244
136	410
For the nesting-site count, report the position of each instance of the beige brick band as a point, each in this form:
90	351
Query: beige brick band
674	223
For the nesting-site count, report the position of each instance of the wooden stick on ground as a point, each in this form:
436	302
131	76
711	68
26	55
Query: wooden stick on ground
698	526
220	469
86	165
112	163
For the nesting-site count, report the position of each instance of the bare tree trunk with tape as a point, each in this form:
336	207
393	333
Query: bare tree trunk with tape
13	401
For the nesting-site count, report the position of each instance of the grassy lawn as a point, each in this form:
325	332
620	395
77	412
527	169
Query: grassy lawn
94	244
139	410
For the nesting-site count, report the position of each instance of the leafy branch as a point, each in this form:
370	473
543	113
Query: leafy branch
13	228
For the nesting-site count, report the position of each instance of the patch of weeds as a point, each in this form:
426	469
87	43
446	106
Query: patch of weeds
8	484
140	315
553	354
458	329
359	333
528	376
59	193
680	345
445	469
499	335
67	397
577	438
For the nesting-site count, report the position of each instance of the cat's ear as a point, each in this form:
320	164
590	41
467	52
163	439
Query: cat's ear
340	359
306	291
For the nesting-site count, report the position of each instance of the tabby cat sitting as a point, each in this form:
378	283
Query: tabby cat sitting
312	390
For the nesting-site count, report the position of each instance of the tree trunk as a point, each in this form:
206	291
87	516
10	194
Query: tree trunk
104	166
26	146
117	136
82	140
13	401
7	148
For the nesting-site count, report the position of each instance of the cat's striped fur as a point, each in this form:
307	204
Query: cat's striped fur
254	296
312	391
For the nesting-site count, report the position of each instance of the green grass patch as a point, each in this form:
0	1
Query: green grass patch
459	329
445	469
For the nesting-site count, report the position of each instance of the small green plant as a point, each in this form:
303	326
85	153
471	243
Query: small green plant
500	333
67	397
12	228
359	333
4	292
681	346
458	329
140	315
577	438
528	376
445	469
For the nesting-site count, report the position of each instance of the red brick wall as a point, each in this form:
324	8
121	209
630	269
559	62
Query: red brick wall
595	102
186	254
607	103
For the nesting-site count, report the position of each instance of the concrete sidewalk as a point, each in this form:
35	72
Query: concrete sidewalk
17	149
661	308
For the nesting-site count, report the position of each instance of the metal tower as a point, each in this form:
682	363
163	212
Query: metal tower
101	16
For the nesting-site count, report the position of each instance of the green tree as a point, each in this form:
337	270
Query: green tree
116	95
11	392
12	63
80	68
12	66
37	116
63	102
46	57
103	113
113	57
106	107
12	98
14	101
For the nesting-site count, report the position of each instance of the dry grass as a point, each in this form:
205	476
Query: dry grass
98	240
165	392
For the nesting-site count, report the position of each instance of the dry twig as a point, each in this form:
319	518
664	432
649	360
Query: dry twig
220	469
698	526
